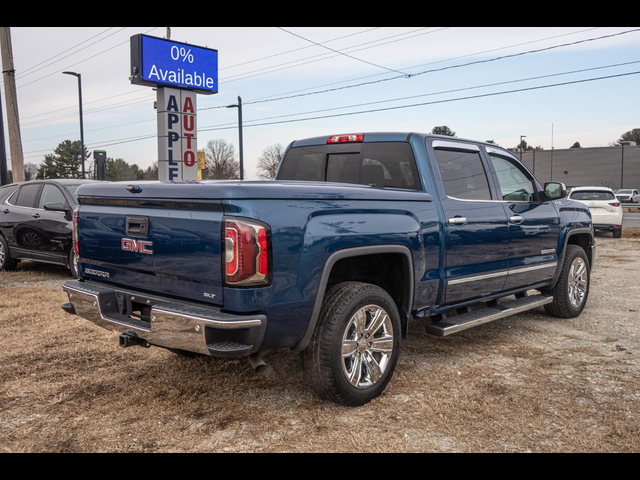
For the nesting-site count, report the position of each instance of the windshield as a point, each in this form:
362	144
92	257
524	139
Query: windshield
625	192
593	196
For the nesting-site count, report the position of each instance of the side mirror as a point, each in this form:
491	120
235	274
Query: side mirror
555	191
57	207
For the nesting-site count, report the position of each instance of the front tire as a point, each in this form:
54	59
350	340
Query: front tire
572	290
355	349
6	263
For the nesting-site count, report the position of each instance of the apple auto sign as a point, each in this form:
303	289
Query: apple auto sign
180	72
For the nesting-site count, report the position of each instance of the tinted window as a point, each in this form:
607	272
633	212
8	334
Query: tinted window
464	175
26	196
515	184
51	194
592	196
390	165
5	192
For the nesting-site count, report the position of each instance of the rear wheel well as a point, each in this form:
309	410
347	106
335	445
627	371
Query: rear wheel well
389	271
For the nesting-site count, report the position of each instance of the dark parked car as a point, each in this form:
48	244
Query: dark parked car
36	223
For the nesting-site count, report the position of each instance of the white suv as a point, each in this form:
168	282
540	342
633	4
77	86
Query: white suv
605	208
628	196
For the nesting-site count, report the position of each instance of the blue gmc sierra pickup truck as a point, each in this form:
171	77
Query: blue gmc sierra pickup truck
359	235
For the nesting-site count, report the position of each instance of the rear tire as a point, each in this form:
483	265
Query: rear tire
73	263
355	348
571	293
617	233
6	263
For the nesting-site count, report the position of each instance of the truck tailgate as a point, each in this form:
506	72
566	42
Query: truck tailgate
166	246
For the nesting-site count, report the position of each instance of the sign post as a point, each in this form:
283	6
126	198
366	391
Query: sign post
202	163
100	157
180	72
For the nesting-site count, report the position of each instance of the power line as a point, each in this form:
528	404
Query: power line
341	53
298	49
387	109
327	56
433	63
82	61
476	87
451	67
24	74
401	107
296	94
86	103
456	66
95	110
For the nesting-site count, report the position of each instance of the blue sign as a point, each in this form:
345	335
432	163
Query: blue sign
162	63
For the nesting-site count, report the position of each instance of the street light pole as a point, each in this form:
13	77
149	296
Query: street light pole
240	126
82	158
522	137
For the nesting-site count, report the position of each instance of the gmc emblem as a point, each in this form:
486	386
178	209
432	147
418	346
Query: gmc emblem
137	246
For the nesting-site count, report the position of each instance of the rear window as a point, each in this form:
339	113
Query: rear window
5	192
389	165
593	196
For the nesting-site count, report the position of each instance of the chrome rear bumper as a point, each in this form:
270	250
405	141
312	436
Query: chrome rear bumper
172	325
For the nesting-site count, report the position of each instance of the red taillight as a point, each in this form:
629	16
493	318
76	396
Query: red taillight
76	236
247	253
346	139
615	205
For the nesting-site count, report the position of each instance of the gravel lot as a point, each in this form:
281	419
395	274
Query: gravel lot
526	384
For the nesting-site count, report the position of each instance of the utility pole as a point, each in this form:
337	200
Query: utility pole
168	33
13	117
4	174
622	174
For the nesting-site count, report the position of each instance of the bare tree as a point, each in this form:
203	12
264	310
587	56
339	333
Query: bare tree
270	161
30	171
221	161
151	173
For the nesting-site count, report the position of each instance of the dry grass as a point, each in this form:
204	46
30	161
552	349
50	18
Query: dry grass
631	233
529	383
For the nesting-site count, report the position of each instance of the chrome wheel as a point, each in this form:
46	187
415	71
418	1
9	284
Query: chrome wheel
367	347
578	283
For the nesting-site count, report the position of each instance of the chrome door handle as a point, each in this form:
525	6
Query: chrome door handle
517	219
459	221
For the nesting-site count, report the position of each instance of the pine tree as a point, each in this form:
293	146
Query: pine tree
64	162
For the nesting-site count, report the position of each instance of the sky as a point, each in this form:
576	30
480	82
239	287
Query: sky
364	69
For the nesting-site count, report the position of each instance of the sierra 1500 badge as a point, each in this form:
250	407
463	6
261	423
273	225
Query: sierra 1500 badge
137	246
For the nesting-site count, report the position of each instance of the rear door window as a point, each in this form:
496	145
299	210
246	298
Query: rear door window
464	175
27	196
